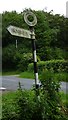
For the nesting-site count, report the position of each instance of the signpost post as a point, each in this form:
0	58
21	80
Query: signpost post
31	27
16	43
28	34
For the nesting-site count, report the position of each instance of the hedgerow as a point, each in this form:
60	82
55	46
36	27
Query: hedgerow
56	65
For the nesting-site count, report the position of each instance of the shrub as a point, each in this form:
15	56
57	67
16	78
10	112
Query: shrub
36	104
50	88
22	60
49	53
63	76
56	65
7	57
28	106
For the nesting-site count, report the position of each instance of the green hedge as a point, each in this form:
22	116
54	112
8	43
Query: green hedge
56	65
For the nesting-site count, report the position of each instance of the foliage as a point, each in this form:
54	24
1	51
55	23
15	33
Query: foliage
16	59
51	38
51	87
56	65
54	53
22	60
62	76
27	105
9	106
7	57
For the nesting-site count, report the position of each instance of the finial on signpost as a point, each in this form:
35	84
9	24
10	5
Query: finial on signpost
30	23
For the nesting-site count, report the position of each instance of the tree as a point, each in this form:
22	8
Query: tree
51	34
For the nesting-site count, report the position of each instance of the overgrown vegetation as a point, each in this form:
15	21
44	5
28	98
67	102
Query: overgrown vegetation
43	104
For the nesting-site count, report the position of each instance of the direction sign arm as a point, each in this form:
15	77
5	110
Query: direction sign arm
16	31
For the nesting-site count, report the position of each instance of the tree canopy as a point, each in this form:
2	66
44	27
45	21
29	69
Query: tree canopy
51	37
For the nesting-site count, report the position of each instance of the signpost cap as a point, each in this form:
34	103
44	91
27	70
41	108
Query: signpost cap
30	23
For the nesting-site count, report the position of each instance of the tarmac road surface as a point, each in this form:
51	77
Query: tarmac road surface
11	83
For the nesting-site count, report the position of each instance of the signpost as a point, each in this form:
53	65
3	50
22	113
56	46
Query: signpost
28	34
16	31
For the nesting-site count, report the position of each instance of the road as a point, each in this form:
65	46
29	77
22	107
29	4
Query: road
12	83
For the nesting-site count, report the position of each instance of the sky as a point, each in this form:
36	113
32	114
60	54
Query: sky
58	6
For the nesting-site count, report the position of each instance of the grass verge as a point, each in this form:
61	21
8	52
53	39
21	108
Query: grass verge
60	76
0	73
27	75
10	72
64	98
